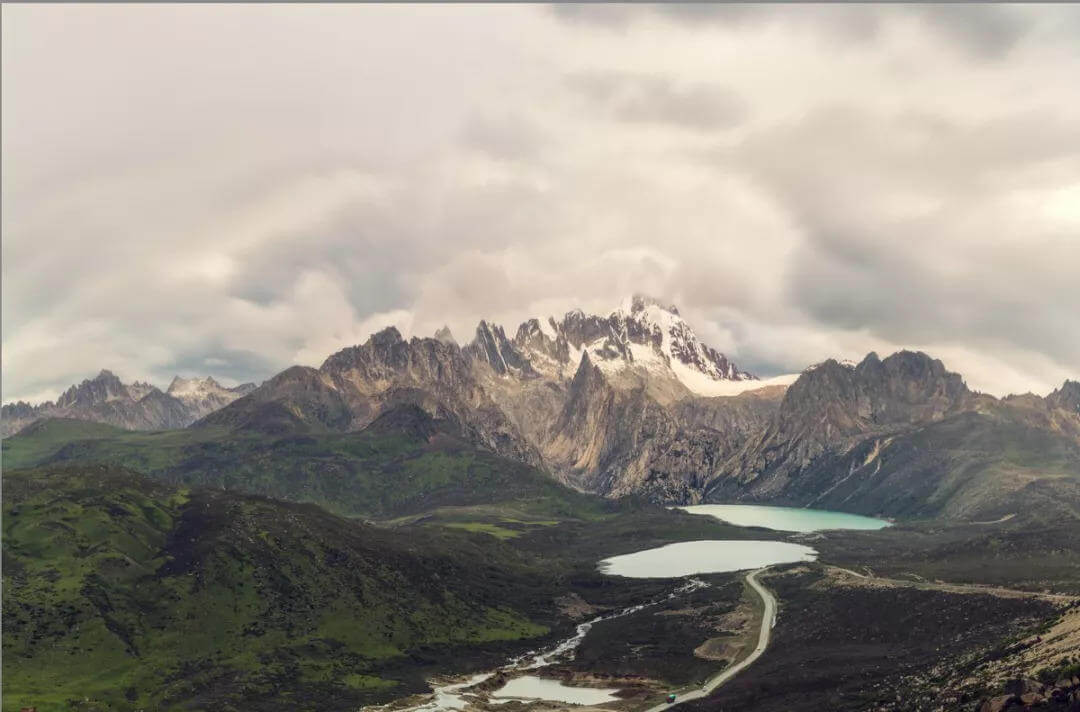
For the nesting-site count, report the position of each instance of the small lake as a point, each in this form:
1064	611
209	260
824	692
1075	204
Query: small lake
791	519
531	687
705	557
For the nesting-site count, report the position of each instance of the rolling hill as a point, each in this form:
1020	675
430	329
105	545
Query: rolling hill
403	463
125	593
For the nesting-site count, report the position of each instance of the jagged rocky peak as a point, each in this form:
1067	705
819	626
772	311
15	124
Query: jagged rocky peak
21	406
140	389
680	343
652	334
444	335
386	359
184	387
906	386
102	388
135	406
426	356
913	377
1067	397
535	337
491	346
383	348
205	395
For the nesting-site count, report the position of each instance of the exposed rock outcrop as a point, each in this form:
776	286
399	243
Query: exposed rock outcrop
355	385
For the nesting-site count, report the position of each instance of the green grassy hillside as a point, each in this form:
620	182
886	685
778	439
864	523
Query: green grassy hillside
125	593
403	463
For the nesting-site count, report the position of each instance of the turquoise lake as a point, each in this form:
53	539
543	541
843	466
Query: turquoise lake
791	519
717	556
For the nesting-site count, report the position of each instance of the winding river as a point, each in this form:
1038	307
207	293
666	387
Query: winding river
454	696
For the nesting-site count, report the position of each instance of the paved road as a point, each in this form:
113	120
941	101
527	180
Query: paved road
768	620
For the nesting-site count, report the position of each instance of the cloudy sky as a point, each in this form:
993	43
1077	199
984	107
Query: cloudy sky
229	190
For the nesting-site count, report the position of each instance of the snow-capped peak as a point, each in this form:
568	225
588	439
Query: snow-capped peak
644	335
695	364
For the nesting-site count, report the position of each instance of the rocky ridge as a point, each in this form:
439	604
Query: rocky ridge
135	406
904	436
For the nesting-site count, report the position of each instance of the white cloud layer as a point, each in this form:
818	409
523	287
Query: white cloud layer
233	189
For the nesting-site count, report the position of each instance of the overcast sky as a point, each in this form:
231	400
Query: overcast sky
229	190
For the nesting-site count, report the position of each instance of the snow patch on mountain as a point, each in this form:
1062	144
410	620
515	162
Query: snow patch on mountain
644	336
702	385
547	328
697	366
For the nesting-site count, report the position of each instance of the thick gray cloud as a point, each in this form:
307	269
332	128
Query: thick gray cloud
987	30
658	99
917	238
506	137
233	189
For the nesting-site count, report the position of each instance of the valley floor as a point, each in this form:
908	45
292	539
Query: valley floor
919	616
847	638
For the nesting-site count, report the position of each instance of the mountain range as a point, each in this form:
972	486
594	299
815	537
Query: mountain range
133	406
633	403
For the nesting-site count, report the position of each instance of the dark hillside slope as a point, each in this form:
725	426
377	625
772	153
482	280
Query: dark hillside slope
853	649
904	437
969	466
136	595
405	462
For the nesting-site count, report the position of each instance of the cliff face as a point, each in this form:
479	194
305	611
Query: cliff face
619	442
